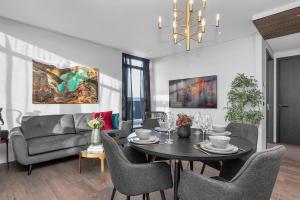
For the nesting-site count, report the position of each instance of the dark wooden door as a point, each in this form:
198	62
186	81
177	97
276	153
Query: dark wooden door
289	100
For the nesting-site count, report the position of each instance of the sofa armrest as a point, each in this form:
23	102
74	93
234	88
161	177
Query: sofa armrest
19	145
126	126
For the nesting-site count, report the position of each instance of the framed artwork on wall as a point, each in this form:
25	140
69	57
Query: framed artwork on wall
64	85
200	92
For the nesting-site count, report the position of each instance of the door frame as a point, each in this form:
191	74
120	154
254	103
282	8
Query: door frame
270	94
278	60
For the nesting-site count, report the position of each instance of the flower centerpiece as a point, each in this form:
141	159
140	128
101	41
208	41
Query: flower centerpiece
96	125
184	123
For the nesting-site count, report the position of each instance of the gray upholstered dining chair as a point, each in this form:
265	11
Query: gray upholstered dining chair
254	181
150	123
132	179
231	167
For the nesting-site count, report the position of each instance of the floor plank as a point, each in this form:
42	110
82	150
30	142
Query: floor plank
60	180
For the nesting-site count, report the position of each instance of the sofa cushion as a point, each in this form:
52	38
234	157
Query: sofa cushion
106	116
47	125
54	143
81	121
115	118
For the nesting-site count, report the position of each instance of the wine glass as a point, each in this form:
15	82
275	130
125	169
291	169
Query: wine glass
171	124
197	120
204	124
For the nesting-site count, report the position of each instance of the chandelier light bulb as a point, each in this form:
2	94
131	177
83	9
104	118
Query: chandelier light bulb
203	3
191	3
175	37
174	27
199	37
199	16
159	22
203	23
175	5
218	20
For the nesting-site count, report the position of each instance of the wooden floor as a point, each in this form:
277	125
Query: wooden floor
60	180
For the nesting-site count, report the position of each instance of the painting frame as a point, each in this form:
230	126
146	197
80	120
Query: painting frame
196	92
66	84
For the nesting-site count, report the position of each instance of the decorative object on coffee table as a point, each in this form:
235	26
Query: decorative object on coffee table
96	125
184	123
244	101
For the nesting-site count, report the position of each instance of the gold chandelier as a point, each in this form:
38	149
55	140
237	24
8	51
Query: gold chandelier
193	19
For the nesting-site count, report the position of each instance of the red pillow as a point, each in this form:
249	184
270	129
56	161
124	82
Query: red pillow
106	116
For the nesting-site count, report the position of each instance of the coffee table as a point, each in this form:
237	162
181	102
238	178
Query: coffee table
100	155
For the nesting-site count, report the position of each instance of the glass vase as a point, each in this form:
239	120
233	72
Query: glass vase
95	137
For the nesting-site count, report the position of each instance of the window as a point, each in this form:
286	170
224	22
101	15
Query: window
136	89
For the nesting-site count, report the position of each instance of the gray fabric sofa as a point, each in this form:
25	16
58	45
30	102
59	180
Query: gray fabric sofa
48	137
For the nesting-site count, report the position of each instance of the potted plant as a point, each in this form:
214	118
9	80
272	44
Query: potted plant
244	101
96	125
184	123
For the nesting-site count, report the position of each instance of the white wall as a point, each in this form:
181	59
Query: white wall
224	60
20	43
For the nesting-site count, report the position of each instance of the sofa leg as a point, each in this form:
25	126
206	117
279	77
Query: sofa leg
29	169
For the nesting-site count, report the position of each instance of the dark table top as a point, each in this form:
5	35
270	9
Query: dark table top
182	149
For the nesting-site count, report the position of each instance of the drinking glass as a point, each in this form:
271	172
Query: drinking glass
204	125
171	124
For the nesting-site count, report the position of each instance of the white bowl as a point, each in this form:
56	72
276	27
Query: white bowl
143	133
219	128
220	142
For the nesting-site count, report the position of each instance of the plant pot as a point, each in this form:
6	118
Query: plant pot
95	137
184	131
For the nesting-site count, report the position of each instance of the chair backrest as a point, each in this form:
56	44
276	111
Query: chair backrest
117	162
155	115
150	123
247	131
257	177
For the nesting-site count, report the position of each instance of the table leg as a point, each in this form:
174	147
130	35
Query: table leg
79	163
176	178
7	158
102	165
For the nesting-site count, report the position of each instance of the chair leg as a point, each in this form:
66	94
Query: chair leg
180	165
113	194
128	198
191	165
147	196
162	194
203	168
29	170
144	196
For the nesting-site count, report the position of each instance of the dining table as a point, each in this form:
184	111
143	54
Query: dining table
184	149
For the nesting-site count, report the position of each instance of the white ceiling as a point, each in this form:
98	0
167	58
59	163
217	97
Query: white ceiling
285	43
131	25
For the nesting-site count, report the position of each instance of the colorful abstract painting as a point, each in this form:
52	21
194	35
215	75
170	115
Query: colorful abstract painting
64	85
198	92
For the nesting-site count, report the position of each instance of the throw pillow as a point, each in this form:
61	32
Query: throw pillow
106	116
115	120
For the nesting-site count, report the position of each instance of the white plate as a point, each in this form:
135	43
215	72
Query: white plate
158	129
151	140
226	133
229	150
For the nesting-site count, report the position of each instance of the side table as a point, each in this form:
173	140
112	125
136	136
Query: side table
4	139
100	155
